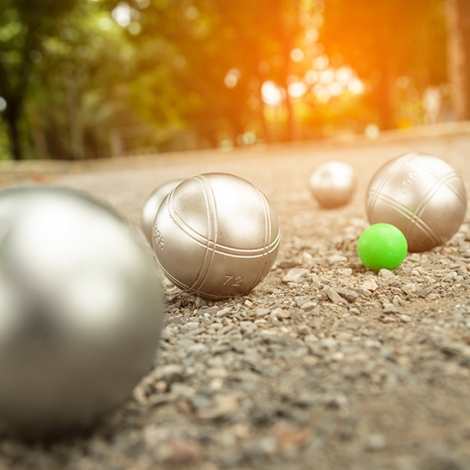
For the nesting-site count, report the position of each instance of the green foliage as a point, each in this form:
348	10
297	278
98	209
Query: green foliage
74	90
94	78
26	25
4	144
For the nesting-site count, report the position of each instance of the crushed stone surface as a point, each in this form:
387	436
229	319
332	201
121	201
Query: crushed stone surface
324	365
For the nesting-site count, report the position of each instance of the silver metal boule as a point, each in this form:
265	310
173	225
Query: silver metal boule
81	305
332	184
216	235
420	194
150	208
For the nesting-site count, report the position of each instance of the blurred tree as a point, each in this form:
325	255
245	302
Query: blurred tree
78	91
25	26
217	54
81	77
459	56
385	40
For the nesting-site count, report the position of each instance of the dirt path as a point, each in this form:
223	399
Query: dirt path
338	368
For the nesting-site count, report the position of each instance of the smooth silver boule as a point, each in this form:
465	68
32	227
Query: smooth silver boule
216	235
420	194
332	184
150	208
81	305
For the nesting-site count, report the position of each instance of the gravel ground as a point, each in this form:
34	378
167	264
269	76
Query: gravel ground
325	365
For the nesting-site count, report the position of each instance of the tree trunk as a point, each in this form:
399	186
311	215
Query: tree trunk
291	124
77	145
458	19
384	89
285	33
12	114
384	100
262	119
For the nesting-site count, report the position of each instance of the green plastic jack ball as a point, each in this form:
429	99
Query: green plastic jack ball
382	246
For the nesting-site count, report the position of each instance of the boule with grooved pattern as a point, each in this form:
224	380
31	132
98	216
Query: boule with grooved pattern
216	235
421	195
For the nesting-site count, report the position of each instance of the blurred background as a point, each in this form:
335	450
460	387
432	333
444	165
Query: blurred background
88	79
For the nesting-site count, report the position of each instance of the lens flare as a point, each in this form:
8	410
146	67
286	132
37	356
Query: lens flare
271	93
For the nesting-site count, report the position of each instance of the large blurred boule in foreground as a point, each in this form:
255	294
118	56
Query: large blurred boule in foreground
421	195
81	305
332	184
216	235
151	205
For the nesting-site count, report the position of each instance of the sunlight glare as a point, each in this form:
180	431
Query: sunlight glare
335	89
311	76
311	34
297	89
105	24
122	14
249	138
356	86
297	54
321	93
344	75
271	93
372	131
320	62
327	76
232	77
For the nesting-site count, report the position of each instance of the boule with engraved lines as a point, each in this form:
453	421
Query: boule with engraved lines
216	235
421	195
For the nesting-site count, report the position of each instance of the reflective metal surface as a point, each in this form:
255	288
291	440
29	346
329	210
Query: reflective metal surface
421	195
333	184
216	235
150	208
81	304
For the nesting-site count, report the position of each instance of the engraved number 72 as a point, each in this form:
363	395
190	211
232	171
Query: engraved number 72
236	280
